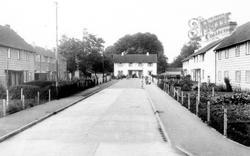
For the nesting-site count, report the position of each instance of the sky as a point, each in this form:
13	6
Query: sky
34	20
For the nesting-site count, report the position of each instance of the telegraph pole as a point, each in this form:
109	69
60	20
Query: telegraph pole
56	48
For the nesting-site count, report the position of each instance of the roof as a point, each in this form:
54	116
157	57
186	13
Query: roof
135	58
241	34
174	69
44	52
204	49
9	38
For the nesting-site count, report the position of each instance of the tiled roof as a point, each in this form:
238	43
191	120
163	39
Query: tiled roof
9	38
135	58
203	50
241	34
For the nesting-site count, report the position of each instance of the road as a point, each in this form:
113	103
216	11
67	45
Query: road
116	121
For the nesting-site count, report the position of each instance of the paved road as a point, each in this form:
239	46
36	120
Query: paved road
116	121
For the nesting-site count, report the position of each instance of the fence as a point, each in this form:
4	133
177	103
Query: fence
193	103
20	102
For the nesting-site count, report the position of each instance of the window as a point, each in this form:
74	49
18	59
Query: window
18	54
237	51
219	75
203	74
226	54
37	57
248	76
9	53
203	58
247	48
150	64
237	76
226	74
140	64
149	72
219	55
130	64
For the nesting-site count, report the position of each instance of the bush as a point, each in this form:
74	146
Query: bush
2	92
228	85
28	91
40	83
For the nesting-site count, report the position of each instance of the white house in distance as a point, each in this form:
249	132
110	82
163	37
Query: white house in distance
138	64
233	58
201	63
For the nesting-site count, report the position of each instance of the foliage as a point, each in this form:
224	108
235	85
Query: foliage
186	50
85	55
228	85
186	83
2	92
140	43
29	91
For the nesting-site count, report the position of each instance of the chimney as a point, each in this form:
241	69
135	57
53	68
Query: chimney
7	26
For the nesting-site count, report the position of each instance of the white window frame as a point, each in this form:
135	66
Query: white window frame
226	54
219	55
238	79
237	51
219	75
247	76
18	54
226	74
151	64
247	48
9	53
140	64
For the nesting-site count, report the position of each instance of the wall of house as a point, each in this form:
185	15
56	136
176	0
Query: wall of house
206	66
125	67
229	66
19	61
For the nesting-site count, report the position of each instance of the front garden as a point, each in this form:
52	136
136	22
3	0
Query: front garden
211	105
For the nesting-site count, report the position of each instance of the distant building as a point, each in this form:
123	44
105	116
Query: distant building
45	65
173	72
16	58
201	63
135	64
233	58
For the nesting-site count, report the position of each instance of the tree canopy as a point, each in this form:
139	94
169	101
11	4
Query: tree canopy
85	54
140	43
186	50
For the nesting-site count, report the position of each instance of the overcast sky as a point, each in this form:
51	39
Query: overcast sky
34	20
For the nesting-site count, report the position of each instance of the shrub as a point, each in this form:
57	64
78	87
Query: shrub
28	91
40	83
228	85
2	92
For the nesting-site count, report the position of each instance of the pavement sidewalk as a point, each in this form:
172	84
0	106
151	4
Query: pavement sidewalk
16	122
187	132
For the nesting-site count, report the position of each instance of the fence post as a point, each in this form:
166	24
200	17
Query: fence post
197	106
23	102
7	98
4	107
21	93
208	112
213	91
178	95
182	98
188	101
225	121
49	95
174	92
38	97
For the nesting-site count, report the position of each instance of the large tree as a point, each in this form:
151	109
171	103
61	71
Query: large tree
85	54
186	50
140	43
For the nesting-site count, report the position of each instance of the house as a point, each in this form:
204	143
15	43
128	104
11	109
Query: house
135	64
201	64
45	65
17	58
233	58
173	72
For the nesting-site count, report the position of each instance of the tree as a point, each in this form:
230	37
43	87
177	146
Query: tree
85	54
140	43
186	50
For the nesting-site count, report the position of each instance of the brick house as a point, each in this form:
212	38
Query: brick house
16	58
45	65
